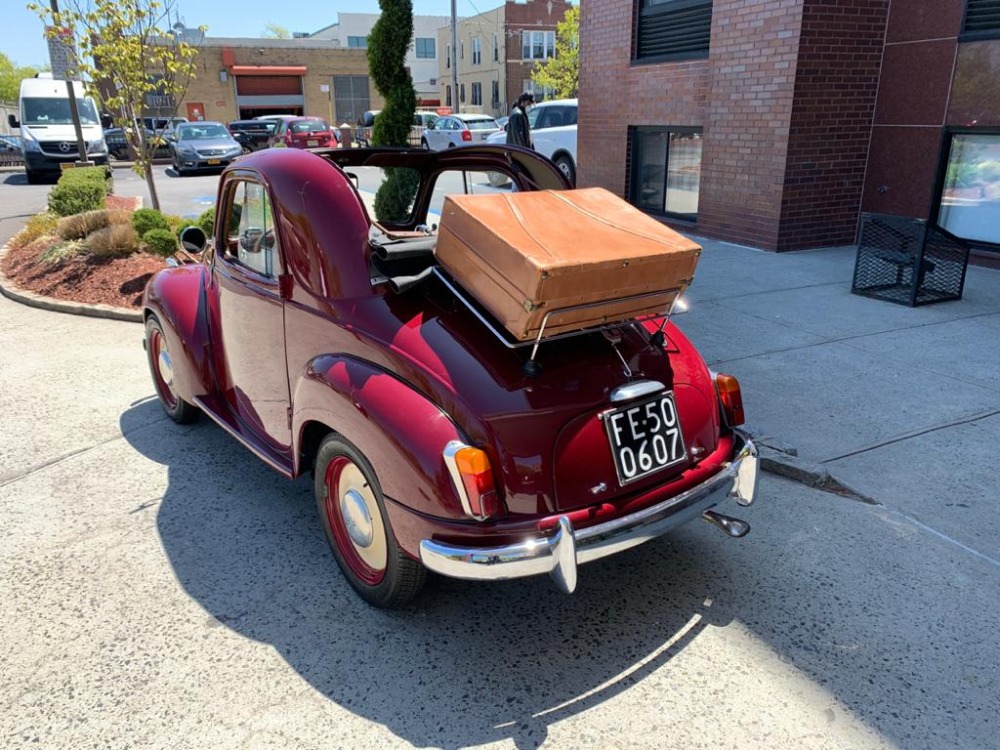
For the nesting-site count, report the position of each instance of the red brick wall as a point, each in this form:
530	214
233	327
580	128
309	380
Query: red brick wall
836	84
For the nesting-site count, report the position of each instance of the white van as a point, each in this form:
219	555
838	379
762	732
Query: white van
47	127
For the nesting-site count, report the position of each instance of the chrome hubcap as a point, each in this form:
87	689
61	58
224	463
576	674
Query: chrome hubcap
166	368
356	517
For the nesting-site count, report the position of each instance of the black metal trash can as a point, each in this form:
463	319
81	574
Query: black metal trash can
908	261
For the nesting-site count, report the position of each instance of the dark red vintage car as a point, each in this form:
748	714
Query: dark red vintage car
326	342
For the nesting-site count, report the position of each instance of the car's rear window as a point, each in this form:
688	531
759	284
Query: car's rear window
487	124
309	126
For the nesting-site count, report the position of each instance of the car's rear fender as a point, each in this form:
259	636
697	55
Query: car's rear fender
401	433
176	296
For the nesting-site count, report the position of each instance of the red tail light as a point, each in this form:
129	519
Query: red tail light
466	135
288	138
473	478
731	399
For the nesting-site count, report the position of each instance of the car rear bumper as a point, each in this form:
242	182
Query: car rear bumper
560	553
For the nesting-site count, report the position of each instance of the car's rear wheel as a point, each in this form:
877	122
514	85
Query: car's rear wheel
565	164
352	510
162	369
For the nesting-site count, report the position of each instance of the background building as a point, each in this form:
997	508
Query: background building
496	52
777	124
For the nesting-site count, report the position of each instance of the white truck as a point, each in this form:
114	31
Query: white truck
553	131
47	132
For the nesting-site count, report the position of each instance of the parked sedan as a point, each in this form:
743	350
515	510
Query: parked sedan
253	135
118	146
459	130
553	131
203	145
331	346
304	132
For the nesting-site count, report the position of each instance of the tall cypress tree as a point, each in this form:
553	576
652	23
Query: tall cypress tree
387	46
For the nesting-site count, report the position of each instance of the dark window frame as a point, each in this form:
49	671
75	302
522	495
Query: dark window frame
424	42
639	12
942	175
635	178
477	94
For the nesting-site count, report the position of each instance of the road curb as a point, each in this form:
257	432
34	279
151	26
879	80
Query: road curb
12	292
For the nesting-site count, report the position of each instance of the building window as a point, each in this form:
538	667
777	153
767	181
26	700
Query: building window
461	50
496	49
447	59
666	170
425	48
982	19
461	93
477	54
496	95
357	42
351	97
970	197
447	96
541	92
672	29
477	94
538	45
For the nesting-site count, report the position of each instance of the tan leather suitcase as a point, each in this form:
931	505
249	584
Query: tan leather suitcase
524	255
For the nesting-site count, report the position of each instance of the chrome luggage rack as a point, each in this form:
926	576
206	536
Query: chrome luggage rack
531	367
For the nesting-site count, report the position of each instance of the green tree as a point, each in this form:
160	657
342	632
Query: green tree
387	46
562	72
10	78
276	31
128	52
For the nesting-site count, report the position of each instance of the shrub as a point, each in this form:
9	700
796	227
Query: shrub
115	240
148	218
79	226
37	226
207	221
76	195
161	242
62	251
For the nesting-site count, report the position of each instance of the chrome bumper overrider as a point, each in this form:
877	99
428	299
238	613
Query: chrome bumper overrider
560	553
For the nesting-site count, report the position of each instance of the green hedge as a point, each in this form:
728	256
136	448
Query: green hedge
78	190
144	219
160	242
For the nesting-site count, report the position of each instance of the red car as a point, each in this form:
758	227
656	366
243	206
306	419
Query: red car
303	132
328	343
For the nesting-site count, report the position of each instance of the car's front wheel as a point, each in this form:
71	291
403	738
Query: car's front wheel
161	367
352	510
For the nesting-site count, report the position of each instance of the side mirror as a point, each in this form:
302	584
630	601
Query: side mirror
193	239
12	121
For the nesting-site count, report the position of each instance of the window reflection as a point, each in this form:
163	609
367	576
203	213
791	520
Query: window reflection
667	172
970	199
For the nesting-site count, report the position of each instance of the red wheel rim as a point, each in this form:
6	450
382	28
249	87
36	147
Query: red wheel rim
366	561
156	350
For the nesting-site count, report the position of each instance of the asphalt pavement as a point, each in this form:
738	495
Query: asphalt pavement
161	587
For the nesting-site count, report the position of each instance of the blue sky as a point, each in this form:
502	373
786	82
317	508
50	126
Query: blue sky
22	41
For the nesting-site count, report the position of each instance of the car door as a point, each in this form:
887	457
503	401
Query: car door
555	130
249	336
438	134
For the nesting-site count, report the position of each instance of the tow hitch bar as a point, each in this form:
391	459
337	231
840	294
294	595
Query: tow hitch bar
734	527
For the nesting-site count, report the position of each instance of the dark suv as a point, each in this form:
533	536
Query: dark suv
252	134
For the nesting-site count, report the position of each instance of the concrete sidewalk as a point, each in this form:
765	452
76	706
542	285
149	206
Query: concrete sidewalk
901	405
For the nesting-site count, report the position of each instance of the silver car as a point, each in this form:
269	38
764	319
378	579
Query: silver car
459	130
202	145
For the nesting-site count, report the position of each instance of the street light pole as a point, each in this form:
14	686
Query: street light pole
454	55
73	109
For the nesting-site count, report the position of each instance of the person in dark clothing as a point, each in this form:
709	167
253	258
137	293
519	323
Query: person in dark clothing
518	129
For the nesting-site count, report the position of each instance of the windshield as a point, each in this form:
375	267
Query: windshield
201	132
45	111
309	126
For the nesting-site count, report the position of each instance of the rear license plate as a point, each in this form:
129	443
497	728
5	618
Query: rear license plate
645	437
213	161
312	144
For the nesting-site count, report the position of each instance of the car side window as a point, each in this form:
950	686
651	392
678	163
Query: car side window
251	241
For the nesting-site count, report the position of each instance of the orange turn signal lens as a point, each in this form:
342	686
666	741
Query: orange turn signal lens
473	478
731	399
472	461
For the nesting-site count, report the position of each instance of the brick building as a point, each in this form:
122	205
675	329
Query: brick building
775	124
496	52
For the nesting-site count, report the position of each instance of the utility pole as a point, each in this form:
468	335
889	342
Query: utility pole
454	55
73	109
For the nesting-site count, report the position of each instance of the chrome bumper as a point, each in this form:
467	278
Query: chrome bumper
560	553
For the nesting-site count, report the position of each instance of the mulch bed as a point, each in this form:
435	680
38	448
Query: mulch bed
90	279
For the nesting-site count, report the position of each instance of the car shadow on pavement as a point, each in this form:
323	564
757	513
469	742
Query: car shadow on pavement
466	663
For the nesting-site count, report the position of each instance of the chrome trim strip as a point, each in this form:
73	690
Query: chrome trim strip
450	450
560	553
637	389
